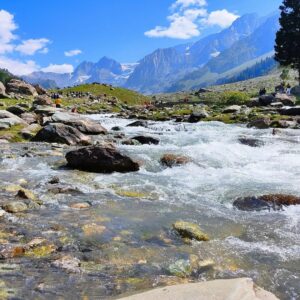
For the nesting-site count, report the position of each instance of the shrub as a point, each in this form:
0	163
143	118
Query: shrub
234	98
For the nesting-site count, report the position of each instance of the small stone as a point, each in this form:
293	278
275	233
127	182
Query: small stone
69	263
83	205
54	180
93	229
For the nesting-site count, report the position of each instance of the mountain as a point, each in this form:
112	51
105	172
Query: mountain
106	70
251	47
156	71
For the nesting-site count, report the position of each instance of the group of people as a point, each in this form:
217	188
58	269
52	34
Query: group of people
282	88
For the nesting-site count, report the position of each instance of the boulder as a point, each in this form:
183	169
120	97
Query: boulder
251	142
30	131
63	134
225	289
172	160
16	110
190	231
232	109
40	90
290	111
253	102
101	159
20	87
7	119
77	121
261	123
146	140
285	99
266	100
138	124
196	117
43	100
266	202
2	90
29	118
296	90
284	124
47	110
15	207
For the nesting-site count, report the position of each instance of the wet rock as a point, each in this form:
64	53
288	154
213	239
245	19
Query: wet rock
20	87
43	100
181	268
60	189
232	109
261	123
15	207
290	111
266	202
196	117
116	128
284	124
251	142
138	124
79	122
63	134
29	195
101	159
69	263
16	110
30	131
172	160
54	180
266	100
146	140
41	251
130	142
190	231
11	251
234	289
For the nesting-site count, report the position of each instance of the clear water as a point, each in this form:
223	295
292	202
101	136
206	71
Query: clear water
137	247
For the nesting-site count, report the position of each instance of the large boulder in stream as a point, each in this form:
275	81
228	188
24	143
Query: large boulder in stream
61	133
261	123
266	202
103	158
233	289
173	160
146	140
79	122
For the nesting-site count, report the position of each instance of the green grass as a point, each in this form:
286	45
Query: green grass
12	134
125	96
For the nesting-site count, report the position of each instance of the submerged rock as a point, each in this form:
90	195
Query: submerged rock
138	124
190	231
181	268
146	140
101	159
15	207
251	142
63	134
69	263
171	160
266	202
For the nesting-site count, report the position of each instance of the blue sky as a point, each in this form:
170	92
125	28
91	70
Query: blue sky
55	35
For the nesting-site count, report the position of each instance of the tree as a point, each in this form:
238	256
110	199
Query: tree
287	48
285	75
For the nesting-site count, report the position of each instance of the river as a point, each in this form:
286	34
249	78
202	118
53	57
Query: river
137	210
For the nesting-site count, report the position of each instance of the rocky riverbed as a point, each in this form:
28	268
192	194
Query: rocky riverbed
75	234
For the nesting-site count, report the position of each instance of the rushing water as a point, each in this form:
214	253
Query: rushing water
138	245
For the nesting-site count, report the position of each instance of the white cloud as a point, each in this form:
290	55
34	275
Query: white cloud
7	27
60	69
32	46
187	3
222	18
189	18
18	67
73	52
215	54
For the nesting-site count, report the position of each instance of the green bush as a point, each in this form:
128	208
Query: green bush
234	98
